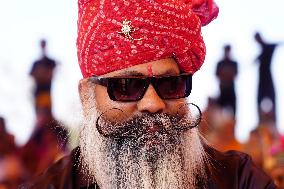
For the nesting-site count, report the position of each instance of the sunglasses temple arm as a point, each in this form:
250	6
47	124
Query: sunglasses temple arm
98	80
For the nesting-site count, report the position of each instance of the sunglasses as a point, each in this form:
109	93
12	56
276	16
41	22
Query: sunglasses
129	89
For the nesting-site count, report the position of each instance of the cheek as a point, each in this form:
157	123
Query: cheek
101	98
175	106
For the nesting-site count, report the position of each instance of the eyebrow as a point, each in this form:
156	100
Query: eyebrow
130	73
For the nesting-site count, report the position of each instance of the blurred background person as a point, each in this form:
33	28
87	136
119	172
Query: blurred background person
11	170
7	141
218	127
219	121
49	139
266	92
260	141
42	72
226	72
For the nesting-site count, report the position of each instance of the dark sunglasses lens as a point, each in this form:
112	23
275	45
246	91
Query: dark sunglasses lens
126	89
174	87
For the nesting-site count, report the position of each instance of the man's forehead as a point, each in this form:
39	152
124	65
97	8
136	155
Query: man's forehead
160	67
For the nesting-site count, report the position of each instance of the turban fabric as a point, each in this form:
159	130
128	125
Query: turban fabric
116	34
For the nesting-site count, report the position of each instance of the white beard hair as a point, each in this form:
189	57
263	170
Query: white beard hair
177	168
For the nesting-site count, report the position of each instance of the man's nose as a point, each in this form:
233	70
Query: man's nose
151	102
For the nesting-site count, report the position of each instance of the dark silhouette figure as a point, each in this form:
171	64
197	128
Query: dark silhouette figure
49	139
265	86
226	72
11	169
7	142
42	72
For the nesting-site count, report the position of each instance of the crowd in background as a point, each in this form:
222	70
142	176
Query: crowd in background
49	140
265	144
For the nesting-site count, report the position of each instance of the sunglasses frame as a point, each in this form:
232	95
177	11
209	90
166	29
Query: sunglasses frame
105	81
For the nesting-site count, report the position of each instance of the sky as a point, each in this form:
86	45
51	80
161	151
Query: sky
24	23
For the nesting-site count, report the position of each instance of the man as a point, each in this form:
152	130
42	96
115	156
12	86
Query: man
42	72
7	145
226	72
137	59
266	91
11	170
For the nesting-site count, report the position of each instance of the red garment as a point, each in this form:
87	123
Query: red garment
116	34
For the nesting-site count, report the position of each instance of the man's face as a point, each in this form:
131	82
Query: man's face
151	154
151	102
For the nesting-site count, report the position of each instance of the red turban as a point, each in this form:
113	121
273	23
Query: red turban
116	34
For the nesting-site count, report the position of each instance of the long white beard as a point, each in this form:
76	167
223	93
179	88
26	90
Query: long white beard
117	165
